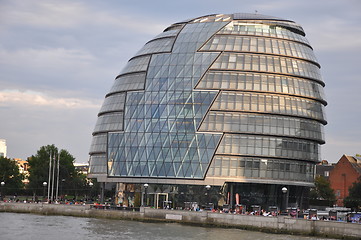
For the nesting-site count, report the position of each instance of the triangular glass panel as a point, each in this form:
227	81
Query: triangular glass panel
182	152
170	170
152	169
177	167
145	172
187	170
161	172
157	151
137	170
181	172
123	170
130	170
198	173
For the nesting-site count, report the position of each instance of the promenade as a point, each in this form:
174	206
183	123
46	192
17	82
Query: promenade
280	224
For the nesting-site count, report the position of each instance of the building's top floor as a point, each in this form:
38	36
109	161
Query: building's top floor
3	148
82	167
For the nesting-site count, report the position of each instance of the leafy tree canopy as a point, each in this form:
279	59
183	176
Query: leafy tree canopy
10	175
69	177
353	200
323	190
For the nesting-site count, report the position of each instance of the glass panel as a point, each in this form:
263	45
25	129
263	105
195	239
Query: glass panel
157	46
113	103
109	122
273	147
134	81
257	82
282	65
99	144
137	64
254	102
258	44
261	124
265	28
98	164
253	167
168	133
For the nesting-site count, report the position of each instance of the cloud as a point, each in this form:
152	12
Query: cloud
55	59
69	15
43	13
67	47
29	98
57	70
33	119
336	35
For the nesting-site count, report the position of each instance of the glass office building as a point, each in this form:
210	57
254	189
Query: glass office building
231	99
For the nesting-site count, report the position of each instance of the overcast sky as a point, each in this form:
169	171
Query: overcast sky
58	59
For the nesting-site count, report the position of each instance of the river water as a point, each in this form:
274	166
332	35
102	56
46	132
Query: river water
38	227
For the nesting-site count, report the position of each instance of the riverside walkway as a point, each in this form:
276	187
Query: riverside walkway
280	224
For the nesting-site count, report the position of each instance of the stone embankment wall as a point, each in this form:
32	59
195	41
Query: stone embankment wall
279	224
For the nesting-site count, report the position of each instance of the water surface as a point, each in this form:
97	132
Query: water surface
17	226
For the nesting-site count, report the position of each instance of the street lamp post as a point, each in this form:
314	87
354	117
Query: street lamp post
44	186
90	189
284	191
145	194
208	187
61	189
1	192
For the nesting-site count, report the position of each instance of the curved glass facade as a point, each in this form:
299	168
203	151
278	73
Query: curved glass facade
215	99
261	82
236	43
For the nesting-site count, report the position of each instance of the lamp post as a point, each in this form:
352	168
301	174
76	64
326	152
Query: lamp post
90	189
284	191
1	192
208	187
61	188
145	194
44	186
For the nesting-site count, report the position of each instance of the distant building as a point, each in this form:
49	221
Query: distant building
82	167
23	166
343	175
3	148
324	168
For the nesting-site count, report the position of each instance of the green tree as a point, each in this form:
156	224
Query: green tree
10	175
322	193
39	168
353	200
70	180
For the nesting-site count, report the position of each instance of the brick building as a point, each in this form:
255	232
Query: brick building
346	171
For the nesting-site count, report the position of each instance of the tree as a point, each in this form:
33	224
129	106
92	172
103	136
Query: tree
322	193
10	175
39	168
353	200
70	180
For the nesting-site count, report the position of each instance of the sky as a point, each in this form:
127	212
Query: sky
58	59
